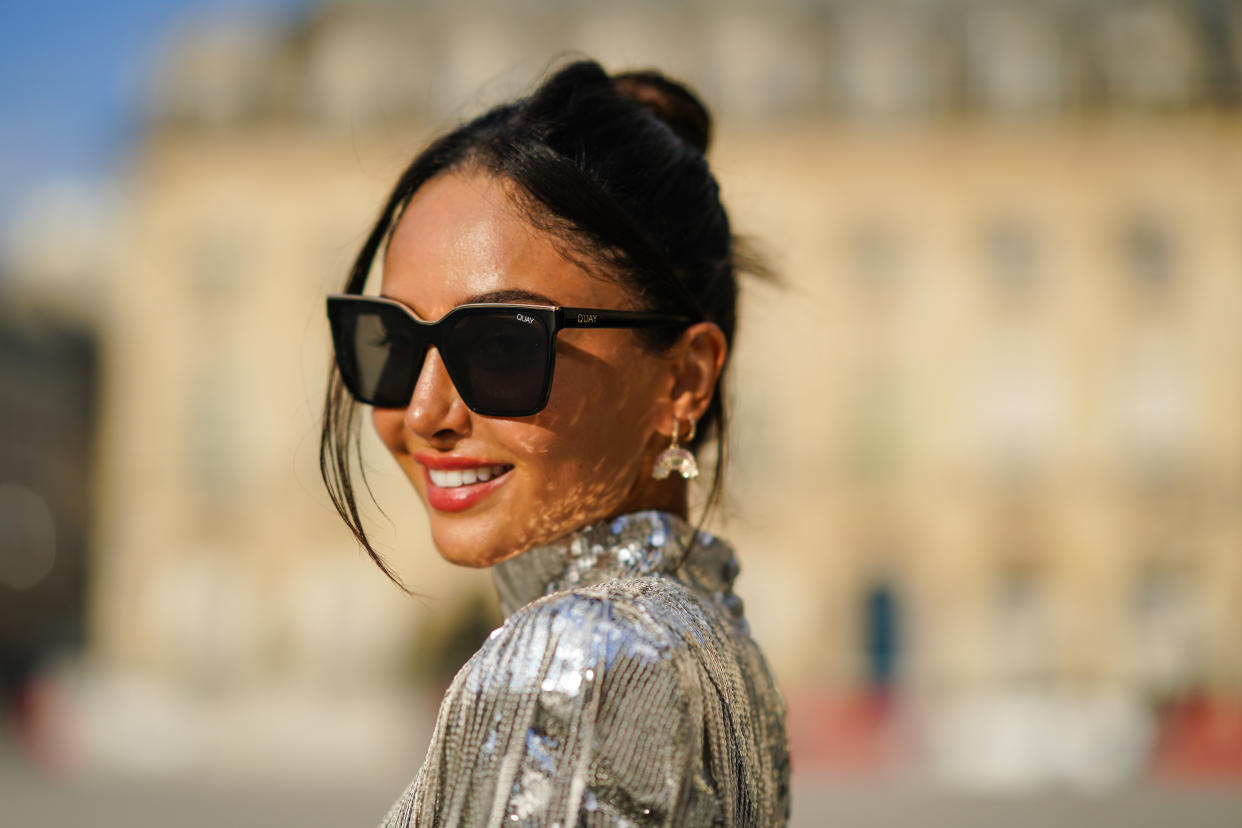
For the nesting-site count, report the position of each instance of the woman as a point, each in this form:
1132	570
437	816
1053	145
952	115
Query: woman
623	688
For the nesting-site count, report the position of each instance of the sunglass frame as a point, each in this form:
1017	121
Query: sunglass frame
554	318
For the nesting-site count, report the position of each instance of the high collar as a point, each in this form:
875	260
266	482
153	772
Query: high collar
634	545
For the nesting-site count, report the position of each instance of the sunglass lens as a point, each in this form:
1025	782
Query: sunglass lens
500	361
376	352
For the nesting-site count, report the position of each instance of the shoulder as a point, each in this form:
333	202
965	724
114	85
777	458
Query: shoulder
584	670
581	703
586	630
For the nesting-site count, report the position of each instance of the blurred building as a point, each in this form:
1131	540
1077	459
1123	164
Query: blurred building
987	438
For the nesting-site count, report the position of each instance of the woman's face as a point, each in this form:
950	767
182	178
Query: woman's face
588	454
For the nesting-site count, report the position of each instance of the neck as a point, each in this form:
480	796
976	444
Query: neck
660	495
633	545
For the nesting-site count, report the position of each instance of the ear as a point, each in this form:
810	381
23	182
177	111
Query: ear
697	358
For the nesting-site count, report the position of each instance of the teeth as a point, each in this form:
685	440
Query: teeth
452	478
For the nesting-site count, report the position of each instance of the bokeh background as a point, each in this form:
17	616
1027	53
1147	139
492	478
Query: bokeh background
987	448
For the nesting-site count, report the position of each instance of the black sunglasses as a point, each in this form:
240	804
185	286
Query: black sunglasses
499	356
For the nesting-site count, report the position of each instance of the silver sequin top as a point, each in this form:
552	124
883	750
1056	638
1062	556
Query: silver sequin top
622	690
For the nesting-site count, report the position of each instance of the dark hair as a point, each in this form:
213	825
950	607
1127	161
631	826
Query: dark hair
614	169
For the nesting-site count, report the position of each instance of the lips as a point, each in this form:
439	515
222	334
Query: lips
452	478
455	483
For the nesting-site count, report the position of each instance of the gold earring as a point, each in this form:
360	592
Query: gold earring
675	458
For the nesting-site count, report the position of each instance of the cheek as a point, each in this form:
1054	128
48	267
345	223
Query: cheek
598	417
388	424
573	474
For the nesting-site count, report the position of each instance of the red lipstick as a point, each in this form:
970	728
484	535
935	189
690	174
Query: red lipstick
458	498
452	461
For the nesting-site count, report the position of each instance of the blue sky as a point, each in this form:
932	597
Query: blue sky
71	76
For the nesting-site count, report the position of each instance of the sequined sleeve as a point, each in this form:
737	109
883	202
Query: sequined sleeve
580	711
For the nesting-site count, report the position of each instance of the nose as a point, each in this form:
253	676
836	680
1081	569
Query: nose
436	411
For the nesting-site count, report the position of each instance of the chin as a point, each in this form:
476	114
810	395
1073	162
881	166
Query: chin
474	546
491	533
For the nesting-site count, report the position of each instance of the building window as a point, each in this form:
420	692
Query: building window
214	435
1158	412
1168	646
1149	253
761	67
1014	59
886	66
1021	618
1011	254
1019	410
1149	57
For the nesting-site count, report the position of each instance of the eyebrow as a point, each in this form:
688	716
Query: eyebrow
510	295
515	295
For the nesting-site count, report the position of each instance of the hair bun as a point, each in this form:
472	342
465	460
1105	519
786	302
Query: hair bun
671	102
